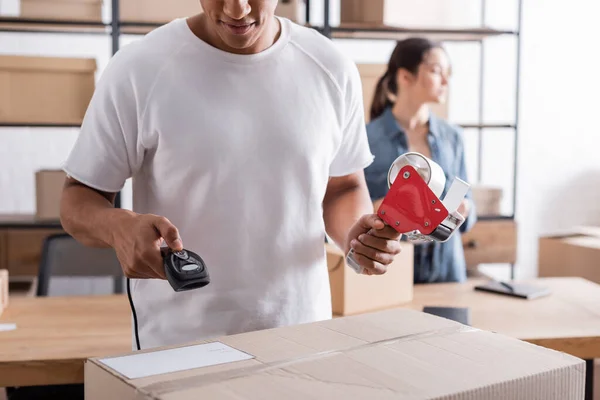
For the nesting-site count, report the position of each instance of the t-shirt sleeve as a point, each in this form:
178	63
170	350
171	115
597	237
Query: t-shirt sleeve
353	153
107	150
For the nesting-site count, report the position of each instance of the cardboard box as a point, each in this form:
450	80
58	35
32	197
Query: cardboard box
491	242
571	254
3	290
412	14
370	75
487	199
75	10
157	11
45	90
294	10
48	192
352	293
394	354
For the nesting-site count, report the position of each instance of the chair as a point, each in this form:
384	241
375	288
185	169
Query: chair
64	257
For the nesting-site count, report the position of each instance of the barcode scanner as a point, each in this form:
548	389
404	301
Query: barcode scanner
185	270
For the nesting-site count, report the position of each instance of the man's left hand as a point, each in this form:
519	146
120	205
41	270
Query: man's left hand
375	244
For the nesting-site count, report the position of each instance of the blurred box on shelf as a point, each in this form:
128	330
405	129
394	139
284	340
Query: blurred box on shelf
352	293
160	12
48	191
294	10
442	14
491	242
75	10
157	11
3	290
45	90
370	75
572	253
487	199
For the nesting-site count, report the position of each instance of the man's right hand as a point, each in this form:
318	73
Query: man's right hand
137	238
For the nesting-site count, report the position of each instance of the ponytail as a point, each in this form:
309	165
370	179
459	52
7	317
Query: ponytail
381	98
408	54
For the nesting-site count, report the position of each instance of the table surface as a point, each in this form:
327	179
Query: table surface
55	335
568	320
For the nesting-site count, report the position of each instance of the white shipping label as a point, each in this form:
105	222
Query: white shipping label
173	360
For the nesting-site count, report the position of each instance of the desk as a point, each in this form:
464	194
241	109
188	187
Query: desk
55	335
568	320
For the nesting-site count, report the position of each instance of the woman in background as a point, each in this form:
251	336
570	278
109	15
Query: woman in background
401	121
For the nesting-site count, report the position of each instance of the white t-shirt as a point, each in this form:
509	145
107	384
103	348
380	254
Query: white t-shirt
236	151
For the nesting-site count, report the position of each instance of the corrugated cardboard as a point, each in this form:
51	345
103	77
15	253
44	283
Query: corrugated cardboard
157	11
3	290
48	192
414	14
75	10
394	354
52	90
571	254
352	293
370	75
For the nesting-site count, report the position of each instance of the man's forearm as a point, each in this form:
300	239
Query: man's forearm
342	209
89	216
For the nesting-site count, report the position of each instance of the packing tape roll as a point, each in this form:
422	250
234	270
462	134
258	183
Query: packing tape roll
429	170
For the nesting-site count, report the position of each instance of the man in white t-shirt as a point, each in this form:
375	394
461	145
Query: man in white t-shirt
245	137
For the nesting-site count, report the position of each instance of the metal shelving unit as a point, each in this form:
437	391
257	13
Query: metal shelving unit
116	28
358	31
477	35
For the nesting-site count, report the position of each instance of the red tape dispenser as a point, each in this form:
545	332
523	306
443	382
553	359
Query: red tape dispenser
413	206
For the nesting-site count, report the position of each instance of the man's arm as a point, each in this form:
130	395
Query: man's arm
88	214
351	223
90	217
346	201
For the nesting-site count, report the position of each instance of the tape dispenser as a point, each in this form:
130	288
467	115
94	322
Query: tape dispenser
413	206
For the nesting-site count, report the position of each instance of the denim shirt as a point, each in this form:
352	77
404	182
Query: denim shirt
434	262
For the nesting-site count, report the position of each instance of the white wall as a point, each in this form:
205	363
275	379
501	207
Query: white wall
558	72
559	164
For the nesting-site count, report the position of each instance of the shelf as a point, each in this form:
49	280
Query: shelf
27	221
37	125
487	126
382	32
32	25
495	217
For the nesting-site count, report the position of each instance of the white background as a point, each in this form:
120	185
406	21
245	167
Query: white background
558	166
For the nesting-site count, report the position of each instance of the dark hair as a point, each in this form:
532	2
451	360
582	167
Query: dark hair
408	54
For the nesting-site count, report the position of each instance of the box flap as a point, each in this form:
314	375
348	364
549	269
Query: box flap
586	236
387	354
59	64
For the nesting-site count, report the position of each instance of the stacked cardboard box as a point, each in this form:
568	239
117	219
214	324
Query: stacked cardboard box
394	354
45	90
160	11
487	199
48	192
75	10
410	13
573	253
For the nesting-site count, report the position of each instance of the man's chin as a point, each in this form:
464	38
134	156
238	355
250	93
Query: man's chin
240	43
